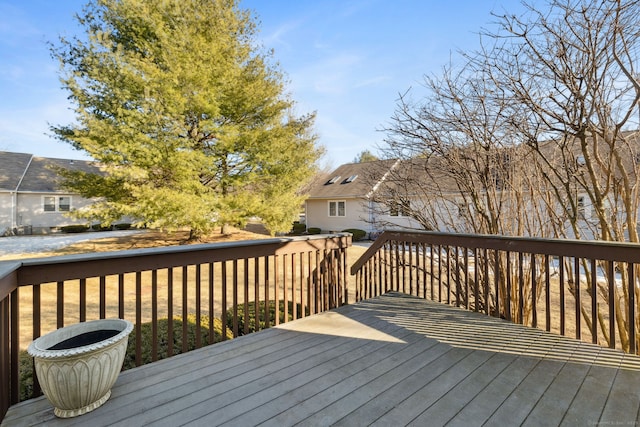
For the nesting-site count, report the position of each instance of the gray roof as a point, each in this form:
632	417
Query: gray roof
27	173
351	180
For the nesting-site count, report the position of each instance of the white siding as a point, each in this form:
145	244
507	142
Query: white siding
31	211
356	215
5	211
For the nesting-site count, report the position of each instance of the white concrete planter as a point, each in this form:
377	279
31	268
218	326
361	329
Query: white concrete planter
78	378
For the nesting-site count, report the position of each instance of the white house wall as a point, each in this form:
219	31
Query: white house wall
356	215
5	211
31	211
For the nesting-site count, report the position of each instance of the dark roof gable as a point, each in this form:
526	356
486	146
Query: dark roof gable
25	172
351	180
12	168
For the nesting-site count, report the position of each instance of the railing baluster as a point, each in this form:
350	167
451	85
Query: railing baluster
439	273
60	305
235	297
276	288
245	297
594	301
547	293
185	309
170	311
508	297
521	301
561	287
198	292
224	300
631	307
121	301
212	304
285	297
612	314
267	317
103	297
410	268
486	284
496	278
576	291
448	284
476	275
154	314
138	326
83	300
294	311
432	271
256	293
534	292
466	278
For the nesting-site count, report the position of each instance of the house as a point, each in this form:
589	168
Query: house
344	200
31	201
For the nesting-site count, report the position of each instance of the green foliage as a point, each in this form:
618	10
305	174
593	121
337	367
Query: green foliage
314	230
75	228
357	233
365	156
100	227
261	309
298	228
187	116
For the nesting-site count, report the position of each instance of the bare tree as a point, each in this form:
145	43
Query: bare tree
533	132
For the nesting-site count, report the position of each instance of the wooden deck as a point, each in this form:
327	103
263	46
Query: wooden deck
393	360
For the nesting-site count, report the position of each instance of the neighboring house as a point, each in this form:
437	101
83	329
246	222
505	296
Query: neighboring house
342	200
30	199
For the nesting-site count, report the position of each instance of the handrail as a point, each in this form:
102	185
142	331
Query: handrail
609	251
236	282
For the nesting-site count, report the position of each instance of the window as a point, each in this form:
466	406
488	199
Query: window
56	204
64	204
581	209
337	208
49	204
400	209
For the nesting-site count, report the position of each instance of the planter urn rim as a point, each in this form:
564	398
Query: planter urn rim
40	346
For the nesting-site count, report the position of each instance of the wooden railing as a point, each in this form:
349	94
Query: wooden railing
212	291
584	289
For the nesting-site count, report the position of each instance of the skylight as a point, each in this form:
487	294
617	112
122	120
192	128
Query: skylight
333	180
350	179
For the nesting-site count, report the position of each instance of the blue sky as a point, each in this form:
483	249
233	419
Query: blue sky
345	60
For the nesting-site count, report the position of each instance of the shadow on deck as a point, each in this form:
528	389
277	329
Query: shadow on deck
392	360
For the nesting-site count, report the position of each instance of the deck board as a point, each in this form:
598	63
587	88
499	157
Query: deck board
392	360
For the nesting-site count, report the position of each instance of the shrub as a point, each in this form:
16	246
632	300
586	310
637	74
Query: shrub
123	226
163	333
298	228
314	230
99	227
75	228
262	322
357	233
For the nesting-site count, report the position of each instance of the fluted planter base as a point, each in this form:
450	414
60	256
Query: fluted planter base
77	365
